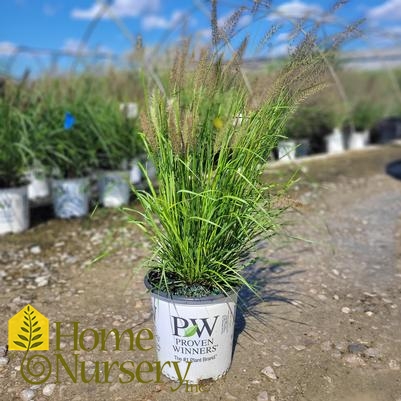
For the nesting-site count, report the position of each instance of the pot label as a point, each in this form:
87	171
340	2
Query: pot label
198	333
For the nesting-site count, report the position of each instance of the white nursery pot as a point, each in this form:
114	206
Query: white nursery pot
130	109
358	140
335	142
71	197
14	210
197	330
114	189
135	173
286	150
303	148
39	185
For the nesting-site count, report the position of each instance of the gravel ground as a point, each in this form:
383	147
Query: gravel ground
329	328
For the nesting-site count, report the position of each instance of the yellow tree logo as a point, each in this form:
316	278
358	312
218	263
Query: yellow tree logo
28	330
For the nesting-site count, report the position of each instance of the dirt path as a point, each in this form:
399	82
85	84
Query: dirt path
330	328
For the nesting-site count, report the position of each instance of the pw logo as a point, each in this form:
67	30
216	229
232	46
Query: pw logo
190	327
28	330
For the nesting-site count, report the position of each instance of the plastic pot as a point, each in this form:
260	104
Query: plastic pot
135	174
302	148
335	142
286	150
130	109
114	189
197	330
71	197
14	210
358	140
39	184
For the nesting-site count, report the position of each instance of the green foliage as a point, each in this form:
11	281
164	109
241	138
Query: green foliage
212	209
14	126
117	137
309	122
365	114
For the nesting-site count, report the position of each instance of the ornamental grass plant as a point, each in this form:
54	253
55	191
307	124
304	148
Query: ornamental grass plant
14	128
211	207
209	138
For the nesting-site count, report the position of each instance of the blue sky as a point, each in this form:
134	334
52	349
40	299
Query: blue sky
42	25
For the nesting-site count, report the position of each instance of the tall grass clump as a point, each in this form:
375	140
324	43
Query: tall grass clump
209	147
14	129
209	139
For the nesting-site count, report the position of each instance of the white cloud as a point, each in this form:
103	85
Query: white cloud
205	34
296	9
118	8
280	50
157	22
390	10
7	48
73	46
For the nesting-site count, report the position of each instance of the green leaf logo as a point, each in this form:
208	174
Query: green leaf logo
191	330
30	331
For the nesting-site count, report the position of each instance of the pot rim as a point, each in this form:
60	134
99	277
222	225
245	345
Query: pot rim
188	300
20	189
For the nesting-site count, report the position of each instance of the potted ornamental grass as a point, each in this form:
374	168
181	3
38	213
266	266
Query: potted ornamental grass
14	206
335	140
118	146
69	153
306	129
364	115
211	207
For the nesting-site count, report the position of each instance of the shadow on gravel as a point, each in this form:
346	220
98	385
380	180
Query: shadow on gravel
393	169
41	214
267	281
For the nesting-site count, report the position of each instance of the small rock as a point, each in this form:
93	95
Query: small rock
345	309
336	297
35	250
27	395
369	313
299	347
325	346
276	364
4	360
263	396
354	360
115	386
394	365
41	281
372	353
356	348
48	389
3	350
35	387
341	346
269	372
